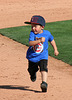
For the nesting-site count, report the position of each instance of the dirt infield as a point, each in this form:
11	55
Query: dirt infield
14	78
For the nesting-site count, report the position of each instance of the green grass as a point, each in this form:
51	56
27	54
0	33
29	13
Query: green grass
19	34
62	32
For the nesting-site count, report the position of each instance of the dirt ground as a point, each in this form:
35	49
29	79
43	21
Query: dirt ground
15	83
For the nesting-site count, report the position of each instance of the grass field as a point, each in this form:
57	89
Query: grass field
62	32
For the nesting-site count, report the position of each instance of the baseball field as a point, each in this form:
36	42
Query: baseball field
15	83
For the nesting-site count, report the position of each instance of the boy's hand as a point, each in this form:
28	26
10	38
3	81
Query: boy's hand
56	52
42	39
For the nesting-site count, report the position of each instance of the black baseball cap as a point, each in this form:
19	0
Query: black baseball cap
37	19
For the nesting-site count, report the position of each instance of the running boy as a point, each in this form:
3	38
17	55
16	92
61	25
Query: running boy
37	53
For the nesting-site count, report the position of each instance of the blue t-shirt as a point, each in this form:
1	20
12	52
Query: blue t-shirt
39	51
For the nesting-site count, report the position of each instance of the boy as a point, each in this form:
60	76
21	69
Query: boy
37	54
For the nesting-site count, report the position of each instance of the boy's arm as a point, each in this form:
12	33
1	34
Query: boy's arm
38	40
32	43
55	47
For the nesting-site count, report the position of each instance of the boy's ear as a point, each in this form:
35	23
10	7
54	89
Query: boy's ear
42	27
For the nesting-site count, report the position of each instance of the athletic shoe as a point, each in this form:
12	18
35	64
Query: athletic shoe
44	86
33	77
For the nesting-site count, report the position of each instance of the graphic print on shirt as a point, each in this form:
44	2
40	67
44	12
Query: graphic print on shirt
38	48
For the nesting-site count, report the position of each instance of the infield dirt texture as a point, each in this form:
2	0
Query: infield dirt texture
15	83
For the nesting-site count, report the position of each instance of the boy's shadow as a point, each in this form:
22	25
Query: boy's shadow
25	88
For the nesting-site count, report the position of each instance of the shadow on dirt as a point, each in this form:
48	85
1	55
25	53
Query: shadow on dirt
26	88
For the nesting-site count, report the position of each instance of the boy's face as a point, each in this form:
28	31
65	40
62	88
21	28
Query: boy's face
37	28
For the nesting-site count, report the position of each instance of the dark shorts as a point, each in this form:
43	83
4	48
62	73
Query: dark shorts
34	67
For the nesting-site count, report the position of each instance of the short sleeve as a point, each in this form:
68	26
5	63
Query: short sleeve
50	37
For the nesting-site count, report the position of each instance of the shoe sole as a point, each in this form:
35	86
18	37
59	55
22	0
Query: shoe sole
44	88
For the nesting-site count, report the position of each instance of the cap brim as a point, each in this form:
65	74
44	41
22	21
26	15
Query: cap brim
27	22
31	23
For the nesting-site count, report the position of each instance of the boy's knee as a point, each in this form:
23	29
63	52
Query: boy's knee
32	70
44	69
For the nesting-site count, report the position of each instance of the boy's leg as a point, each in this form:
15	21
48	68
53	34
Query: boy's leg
44	81
32	69
44	71
44	76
